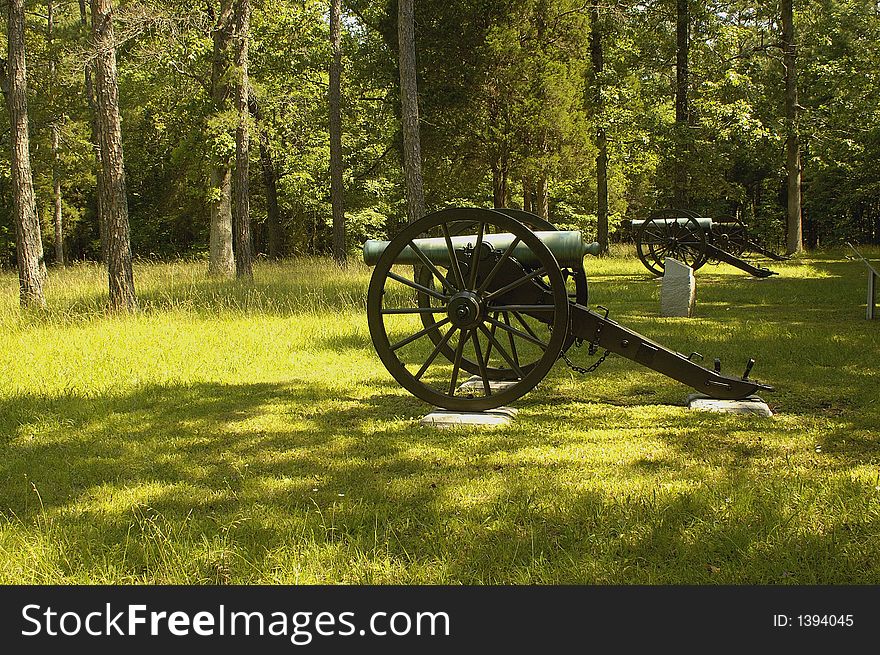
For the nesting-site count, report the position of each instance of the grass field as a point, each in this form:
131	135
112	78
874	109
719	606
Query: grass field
233	434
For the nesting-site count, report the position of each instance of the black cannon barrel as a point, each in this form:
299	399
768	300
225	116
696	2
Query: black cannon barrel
567	246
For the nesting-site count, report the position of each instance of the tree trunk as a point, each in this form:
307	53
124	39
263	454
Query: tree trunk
96	145
56	196
28	240
274	243
221	258
542	199
499	182
598	61
121	276
57	215
412	152
794	228
336	164
241	214
498	190
682	109
527	194
875	238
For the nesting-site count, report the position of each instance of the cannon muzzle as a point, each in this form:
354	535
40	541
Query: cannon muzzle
567	246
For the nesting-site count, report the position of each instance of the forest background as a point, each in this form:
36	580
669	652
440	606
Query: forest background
523	103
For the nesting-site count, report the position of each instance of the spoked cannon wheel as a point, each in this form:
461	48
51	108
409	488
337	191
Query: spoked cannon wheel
671	233
497	312
730	235
576	281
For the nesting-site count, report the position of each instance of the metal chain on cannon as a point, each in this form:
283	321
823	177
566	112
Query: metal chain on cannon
581	369
592	350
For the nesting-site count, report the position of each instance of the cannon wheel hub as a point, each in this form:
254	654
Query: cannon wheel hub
465	310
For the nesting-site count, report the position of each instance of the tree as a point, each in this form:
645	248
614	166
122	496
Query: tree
92	101
794	229
222	258
29	245
409	101
336	163
270	183
119	265
28	241
598	61
241	214
837	67
57	209
682	107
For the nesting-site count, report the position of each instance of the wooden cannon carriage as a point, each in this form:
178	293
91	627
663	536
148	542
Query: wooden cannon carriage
500	295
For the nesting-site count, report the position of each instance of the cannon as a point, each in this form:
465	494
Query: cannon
500	295
695	240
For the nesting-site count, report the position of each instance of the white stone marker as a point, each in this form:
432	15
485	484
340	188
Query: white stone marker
679	290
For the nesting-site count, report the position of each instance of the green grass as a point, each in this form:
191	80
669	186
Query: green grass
234	434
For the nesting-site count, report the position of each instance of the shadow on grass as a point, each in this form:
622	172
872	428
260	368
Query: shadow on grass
597	481
279	472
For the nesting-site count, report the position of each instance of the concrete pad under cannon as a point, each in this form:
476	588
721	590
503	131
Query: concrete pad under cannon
749	405
443	418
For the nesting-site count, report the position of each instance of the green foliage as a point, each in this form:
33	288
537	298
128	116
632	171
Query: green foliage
506	92
843	123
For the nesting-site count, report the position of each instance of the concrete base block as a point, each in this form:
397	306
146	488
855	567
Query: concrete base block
750	405
475	384
443	418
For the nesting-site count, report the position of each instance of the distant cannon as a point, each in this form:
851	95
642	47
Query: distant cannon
502	295
695	240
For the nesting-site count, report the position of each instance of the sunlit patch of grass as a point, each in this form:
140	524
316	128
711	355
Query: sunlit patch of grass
233	433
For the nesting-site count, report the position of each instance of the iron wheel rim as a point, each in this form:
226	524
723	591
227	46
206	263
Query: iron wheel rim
413	382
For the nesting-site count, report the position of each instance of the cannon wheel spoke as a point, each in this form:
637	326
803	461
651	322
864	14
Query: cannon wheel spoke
514	363
435	352
475	257
523	322
417	335
431	267
489	347
487	388
531	338
410	310
418	287
506	317
522	308
456	364
456	268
